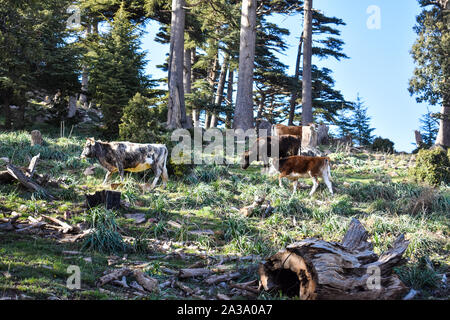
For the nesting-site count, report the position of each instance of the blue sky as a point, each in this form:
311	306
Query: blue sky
379	67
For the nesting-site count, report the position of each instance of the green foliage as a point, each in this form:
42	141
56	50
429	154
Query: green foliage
139	122
383	145
430	52
116	69
432	166
105	237
35	52
419	276
429	128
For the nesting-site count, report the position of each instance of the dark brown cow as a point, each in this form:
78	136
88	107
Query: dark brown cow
296	167
261	150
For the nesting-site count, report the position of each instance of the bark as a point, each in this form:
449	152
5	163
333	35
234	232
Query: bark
212	71
295	83
195	112
314	269
85	77
307	115
220	89
243	117
187	75
443	137
176	117
229	98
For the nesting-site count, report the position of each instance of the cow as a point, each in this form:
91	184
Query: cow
261	150
127	156
296	167
281	129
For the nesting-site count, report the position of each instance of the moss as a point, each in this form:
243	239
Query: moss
432	167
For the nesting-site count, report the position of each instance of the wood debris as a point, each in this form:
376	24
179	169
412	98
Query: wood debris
315	269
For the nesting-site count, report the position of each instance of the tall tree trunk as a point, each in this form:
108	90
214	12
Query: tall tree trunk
176	117
295	83
187	76
220	88
229	98
85	76
212	72
195	111
307	115
243	116
443	137
261	105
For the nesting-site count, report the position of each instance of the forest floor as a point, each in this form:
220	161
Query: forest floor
195	222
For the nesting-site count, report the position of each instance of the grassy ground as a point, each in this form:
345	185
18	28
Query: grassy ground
373	188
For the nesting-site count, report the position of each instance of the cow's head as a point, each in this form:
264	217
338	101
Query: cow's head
245	161
88	151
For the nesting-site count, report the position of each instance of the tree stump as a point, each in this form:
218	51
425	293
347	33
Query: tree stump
315	269
36	138
309	136
111	199
322	134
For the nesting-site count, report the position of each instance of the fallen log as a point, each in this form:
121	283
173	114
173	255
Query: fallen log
149	284
17	174
32	226
65	226
192	273
222	278
114	275
315	269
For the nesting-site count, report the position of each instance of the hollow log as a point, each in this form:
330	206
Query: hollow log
314	269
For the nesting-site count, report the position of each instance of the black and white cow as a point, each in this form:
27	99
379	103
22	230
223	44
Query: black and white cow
128	156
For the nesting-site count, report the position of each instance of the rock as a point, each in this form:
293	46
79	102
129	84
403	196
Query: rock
89	171
137	217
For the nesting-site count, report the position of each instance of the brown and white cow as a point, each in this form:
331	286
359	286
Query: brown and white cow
296	167
281	129
261	150
128	156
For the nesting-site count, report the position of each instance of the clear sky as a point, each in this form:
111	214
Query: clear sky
379	67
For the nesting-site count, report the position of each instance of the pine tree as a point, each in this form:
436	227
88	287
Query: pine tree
34	52
139	122
360	121
431	80
429	128
117	70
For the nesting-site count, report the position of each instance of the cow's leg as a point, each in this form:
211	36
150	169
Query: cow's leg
165	177
158	172
295	187
327	181
120	169
108	175
315	185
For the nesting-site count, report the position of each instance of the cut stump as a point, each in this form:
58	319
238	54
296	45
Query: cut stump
111	199
314	269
